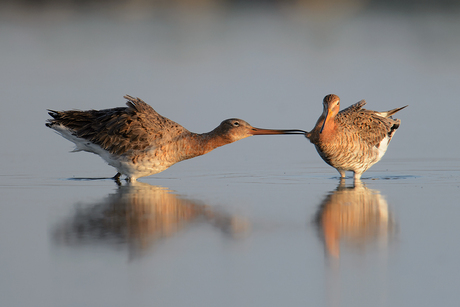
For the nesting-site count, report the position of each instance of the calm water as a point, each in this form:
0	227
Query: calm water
262	222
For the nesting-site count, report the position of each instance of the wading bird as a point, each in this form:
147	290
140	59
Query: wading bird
139	142
353	139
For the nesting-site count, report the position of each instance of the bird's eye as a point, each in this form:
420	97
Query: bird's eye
236	124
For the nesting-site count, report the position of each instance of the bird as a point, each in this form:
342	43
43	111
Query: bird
353	139
138	142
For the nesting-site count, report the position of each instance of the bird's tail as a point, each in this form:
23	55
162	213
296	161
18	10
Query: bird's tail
391	112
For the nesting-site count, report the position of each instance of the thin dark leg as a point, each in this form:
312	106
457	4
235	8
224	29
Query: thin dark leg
117	178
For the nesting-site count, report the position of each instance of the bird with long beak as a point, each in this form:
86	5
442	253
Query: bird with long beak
353	139
139	142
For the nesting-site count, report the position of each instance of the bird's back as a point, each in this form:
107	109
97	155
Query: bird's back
119	130
369	126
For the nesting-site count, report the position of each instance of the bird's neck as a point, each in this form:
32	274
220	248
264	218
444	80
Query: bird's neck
212	140
200	144
330	127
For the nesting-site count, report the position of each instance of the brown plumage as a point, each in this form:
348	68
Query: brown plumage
353	139
138	141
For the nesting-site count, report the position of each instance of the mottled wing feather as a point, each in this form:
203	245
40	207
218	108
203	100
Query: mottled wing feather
121	130
370	127
353	108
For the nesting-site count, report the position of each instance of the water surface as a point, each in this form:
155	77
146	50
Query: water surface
262	222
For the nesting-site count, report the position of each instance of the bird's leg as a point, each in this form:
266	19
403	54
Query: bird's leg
357	176
342	173
116	178
130	179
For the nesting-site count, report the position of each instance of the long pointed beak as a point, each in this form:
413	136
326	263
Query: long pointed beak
259	131
325	118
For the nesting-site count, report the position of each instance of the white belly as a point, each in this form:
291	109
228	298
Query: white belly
383	146
146	166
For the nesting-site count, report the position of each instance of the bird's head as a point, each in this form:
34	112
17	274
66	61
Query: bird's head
235	129
331	106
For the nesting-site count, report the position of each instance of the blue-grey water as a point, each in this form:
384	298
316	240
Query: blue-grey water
261	222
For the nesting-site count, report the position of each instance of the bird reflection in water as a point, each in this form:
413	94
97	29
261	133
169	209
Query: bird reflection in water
354	215
140	215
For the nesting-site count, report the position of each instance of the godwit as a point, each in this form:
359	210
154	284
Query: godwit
139	142
353	139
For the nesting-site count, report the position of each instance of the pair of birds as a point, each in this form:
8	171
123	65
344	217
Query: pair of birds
139	142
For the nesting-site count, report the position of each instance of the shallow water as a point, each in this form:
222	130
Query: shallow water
261	222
